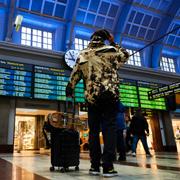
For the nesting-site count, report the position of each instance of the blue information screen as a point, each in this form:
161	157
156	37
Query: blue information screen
50	83
26	80
15	79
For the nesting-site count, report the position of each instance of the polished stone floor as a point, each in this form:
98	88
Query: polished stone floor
35	166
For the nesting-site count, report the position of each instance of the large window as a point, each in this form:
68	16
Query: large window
167	64
81	43
36	38
134	59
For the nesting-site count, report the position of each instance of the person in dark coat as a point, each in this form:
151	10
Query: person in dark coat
139	128
121	132
129	138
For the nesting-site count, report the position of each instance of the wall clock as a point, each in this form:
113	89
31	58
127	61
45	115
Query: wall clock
71	57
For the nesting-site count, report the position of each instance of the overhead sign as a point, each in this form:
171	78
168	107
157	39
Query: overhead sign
143	89
15	79
50	83
128	93
40	82
164	91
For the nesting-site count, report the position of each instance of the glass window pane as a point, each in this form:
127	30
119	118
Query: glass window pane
85	43
76	41
39	45
45	34
80	47
80	41
23	36
28	43
39	33
49	47
28	37
23	42
45	46
45	40
23	30
39	39
34	38
49	41
34	44
34	32
50	35
76	46
28	31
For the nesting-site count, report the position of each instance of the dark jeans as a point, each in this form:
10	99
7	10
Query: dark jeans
105	117
129	141
143	139
121	148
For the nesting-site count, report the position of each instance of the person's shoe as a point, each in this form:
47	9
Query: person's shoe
109	172
148	155
94	171
129	153
134	154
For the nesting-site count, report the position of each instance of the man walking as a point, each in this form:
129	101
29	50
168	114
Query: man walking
139	128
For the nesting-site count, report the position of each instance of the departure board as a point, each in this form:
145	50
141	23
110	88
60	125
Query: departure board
128	93
15	79
50	83
25	80
165	91
143	89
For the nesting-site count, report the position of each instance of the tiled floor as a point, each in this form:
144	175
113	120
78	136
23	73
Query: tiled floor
35	166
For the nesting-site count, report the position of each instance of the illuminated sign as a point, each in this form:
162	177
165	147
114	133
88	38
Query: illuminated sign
24	80
164	91
128	93
15	79
143	89
50	83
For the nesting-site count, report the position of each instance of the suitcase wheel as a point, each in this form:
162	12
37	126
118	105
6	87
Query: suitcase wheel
77	168
51	168
64	169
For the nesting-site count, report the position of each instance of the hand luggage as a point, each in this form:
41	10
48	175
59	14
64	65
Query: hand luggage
65	149
65	141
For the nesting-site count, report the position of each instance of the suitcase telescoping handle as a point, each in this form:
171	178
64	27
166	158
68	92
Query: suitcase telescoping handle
70	101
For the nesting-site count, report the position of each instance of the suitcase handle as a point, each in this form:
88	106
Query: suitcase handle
68	101
73	108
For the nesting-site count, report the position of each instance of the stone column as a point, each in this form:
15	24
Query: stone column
7	120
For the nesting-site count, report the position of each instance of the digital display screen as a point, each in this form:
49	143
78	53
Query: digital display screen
164	91
143	89
25	80
128	93
50	83
15	79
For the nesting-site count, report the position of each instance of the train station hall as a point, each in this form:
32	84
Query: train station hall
89	89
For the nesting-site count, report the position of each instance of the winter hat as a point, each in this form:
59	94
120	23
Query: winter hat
100	35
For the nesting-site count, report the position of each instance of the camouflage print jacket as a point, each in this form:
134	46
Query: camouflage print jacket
98	67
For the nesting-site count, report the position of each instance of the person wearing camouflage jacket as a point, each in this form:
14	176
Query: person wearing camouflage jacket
98	66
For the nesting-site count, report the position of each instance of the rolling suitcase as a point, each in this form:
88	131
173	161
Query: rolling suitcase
65	145
65	149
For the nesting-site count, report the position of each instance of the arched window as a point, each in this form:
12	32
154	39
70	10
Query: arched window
167	64
36	38
80	44
134	59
